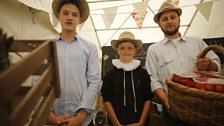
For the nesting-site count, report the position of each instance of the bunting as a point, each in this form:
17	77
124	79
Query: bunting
140	13
139	18
205	9
109	15
141	6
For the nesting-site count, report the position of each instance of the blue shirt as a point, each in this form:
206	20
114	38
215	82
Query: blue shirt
167	57
79	72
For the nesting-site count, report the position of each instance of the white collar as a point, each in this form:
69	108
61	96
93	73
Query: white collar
126	66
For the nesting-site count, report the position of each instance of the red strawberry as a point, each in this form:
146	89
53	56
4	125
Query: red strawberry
200	86
210	87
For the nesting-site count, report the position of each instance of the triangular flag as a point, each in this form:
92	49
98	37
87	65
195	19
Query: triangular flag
108	19
110	10
140	6
205	9
139	18
109	16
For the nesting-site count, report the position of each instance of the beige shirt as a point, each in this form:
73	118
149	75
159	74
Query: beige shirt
167	57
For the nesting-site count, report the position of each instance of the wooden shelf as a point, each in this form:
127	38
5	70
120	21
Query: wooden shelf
18	103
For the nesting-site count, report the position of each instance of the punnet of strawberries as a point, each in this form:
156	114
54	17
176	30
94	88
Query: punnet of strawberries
190	82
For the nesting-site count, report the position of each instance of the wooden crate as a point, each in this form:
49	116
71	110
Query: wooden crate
18	103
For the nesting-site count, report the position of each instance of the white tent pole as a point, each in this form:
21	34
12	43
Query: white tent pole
95	30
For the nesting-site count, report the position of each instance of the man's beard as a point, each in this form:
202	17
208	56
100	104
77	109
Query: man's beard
173	32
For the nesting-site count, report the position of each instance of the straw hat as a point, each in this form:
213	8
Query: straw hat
83	6
167	6
126	36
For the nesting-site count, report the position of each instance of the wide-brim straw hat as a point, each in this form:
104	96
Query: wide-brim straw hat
167	6
126	37
83	6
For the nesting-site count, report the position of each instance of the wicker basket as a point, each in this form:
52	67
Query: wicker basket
197	107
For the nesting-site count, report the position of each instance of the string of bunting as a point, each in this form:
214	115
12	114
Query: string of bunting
140	13
140	7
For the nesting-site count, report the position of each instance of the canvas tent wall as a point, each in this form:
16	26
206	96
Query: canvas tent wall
26	23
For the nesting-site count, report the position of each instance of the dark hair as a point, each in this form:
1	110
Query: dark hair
74	2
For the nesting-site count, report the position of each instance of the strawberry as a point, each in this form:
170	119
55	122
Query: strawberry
210	87
200	86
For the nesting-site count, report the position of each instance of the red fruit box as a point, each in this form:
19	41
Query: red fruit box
195	106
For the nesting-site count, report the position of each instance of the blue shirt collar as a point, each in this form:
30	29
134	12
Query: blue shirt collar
75	38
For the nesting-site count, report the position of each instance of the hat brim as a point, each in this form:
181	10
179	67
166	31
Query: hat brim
138	42
156	17
84	7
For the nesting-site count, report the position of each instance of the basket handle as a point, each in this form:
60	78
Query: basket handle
215	48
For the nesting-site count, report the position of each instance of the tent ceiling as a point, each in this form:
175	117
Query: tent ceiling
19	17
150	32
95	29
